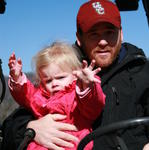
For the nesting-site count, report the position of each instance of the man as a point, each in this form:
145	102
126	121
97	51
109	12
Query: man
124	79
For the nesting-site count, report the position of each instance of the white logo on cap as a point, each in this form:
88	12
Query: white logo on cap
97	6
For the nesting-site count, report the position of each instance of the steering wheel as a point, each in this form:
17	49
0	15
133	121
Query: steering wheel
112	128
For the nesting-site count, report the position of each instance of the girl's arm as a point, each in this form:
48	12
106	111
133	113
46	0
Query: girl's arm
91	98
15	67
20	87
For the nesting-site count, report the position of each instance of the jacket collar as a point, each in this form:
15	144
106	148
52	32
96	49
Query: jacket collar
128	54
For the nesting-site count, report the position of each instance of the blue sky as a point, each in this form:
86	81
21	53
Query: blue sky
28	25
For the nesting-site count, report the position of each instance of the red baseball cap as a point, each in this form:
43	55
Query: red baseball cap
95	11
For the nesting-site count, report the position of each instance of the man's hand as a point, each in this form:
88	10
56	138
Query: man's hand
146	147
51	134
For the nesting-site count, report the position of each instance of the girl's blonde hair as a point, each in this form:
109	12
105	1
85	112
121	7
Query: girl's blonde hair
60	53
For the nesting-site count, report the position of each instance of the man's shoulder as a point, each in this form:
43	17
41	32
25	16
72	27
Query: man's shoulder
18	113
133	49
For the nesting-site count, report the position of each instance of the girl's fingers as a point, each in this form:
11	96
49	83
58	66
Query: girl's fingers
11	63
75	73
12	60
92	65
85	64
12	57
97	70
19	61
78	74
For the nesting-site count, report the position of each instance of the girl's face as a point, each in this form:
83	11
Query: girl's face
54	78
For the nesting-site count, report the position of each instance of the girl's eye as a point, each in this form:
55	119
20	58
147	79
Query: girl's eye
62	77
48	81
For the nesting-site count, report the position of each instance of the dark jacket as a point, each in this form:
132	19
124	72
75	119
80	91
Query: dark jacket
126	86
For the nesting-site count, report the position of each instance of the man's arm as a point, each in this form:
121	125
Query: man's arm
13	128
50	133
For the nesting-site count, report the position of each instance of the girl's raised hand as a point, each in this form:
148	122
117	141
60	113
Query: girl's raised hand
87	74
15	66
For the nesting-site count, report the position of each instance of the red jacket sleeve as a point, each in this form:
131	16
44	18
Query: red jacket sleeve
92	103
22	92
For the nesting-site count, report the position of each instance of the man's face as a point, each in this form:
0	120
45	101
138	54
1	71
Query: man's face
102	43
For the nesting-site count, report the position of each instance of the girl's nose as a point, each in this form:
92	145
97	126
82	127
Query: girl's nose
54	82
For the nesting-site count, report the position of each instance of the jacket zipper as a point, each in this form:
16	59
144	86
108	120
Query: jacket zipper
116	95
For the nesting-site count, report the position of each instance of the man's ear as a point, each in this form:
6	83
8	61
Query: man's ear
121	35
78	39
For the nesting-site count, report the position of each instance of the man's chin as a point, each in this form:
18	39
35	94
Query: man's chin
104	63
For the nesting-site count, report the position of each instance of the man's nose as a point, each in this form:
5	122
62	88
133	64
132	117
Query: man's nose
102	42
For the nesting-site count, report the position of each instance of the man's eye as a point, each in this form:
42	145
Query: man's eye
93	36
111	32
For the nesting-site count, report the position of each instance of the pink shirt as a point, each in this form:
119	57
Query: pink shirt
81	108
